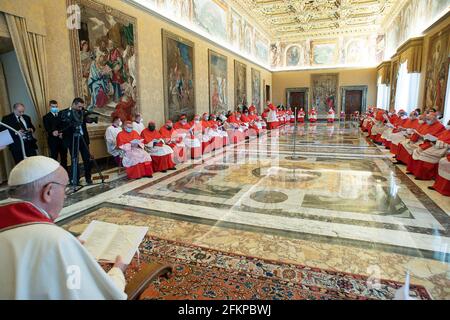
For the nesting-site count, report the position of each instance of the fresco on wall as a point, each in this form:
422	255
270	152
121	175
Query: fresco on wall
211	16
218	19
248	38
356	51
324	53
178	65
324	92
104	60
236	30
240	84
256	89
412	19
437	70
261	47
218	83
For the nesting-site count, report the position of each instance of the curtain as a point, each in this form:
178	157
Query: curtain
6	161
407	93
30	51
447	103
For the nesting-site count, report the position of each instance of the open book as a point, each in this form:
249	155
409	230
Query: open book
429	137
105	241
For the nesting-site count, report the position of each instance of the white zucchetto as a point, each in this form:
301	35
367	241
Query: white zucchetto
32	169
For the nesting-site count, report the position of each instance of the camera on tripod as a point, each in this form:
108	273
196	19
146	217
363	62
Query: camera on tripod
76	118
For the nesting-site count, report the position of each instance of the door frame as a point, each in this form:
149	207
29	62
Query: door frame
304	90
364	90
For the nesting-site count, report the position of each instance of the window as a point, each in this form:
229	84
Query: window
383	92
407	94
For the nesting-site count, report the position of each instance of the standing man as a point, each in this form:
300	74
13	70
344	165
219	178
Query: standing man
74	121
22	123
53	125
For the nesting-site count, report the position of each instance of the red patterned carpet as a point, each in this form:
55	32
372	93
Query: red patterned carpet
202	273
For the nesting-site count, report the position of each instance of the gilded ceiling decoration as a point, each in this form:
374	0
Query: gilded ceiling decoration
290	20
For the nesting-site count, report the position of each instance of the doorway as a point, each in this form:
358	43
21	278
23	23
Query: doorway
297	98
267	93
353	99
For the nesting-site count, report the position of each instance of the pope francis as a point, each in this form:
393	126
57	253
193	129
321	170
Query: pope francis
39	260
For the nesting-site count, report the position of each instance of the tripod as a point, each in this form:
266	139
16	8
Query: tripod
77	137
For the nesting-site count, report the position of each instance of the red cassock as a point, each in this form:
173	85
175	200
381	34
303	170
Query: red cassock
424	170
289	114
170	137
406	124
248	119
160	163
236	135
442	183
138	170
312	116
403	155
198	130
330	117
301	116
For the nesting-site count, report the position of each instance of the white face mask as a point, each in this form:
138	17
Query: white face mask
421	121
447	127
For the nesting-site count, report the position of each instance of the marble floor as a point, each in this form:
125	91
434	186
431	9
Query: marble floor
317	195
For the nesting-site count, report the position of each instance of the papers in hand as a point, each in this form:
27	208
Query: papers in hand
5	139
430	137
105	241
136	141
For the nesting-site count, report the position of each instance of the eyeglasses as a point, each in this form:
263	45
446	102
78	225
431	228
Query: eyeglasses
58	183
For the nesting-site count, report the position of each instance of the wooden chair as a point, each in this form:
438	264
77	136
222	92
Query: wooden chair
147	273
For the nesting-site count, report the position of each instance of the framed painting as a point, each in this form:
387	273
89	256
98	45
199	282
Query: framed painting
105	62
256	89
324	52
436	75
178	76
324	92
240	84
218	82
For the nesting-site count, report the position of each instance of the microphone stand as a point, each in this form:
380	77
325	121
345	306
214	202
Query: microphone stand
22	144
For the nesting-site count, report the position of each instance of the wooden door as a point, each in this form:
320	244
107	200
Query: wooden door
353	101
297	100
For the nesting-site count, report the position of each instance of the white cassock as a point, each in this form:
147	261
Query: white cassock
138	126
43	261
111	140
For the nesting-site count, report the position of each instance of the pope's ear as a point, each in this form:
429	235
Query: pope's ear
46	193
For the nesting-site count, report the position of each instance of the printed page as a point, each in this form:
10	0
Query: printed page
97	236
125	243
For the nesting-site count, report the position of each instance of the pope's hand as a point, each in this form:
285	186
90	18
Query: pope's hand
120	264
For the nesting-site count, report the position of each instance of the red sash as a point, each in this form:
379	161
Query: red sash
16	214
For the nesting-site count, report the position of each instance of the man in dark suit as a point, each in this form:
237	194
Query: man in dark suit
54	125
22	123
74	121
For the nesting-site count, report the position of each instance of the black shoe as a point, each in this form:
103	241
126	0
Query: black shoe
173	168
407	172
89	182
431	188
397	162
163	171
149	176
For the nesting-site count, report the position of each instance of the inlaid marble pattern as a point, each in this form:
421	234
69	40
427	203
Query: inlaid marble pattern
335	203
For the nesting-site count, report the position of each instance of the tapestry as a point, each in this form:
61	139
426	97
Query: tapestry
218	82
436	76
256	89
105	60
324	92
240	84
178	71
